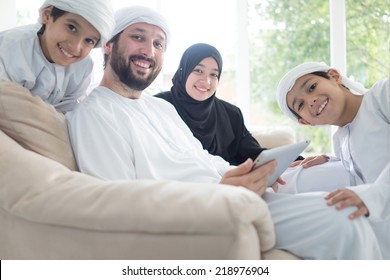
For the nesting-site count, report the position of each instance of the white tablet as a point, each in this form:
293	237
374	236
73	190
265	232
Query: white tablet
284	155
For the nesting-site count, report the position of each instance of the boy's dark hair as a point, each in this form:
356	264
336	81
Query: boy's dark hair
55	13
321	74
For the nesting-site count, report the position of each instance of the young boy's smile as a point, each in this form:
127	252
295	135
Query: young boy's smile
320	101
68	39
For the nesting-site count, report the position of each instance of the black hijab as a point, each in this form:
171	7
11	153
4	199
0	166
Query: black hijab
202	117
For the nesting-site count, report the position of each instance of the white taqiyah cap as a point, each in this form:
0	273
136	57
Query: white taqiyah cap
134	14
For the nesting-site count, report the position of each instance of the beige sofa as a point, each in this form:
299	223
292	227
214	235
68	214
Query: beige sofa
48	210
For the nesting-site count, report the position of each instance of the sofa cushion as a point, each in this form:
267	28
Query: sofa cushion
34	124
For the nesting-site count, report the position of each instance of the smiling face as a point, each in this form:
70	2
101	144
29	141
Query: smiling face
138	55
202	82
68	39
318	100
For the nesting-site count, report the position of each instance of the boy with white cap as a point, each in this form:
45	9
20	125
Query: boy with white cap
51	58
118	133
315	94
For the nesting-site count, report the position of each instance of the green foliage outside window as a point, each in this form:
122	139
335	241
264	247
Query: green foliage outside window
368	40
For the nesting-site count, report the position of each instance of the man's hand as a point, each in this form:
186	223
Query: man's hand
311	161
255	180
345	198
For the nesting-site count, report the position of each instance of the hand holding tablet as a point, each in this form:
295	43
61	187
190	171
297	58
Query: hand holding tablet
284	156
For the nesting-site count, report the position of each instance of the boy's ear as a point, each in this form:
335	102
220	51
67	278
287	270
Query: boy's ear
304	122
45	14
333	73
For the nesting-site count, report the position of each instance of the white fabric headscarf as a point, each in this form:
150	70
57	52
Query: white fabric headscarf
288	81
134	14
99	13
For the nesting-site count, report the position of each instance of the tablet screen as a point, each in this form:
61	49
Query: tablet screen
284	155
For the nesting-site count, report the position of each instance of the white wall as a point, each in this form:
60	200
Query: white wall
7	14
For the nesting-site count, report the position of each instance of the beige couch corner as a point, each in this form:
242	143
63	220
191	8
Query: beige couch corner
48	211
271	137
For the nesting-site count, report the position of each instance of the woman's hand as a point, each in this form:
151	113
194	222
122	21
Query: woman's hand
345	198
311	161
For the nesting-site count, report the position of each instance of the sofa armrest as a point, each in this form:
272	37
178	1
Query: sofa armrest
39	190
34	124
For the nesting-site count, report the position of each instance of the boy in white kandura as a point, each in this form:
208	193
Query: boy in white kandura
315	94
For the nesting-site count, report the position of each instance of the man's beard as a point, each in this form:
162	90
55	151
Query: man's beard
122	68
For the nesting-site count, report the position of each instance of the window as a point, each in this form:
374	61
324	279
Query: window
368	40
